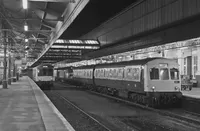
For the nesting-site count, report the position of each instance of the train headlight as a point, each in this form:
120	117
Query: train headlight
177	88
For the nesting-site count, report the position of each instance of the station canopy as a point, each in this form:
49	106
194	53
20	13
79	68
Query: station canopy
68	50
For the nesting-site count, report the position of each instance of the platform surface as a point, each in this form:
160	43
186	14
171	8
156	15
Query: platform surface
194	93
24	107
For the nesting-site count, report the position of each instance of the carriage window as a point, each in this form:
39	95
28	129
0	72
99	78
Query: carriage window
120	73
174	74
114	73
136	73
106	72
129	74
164	74
154	74
102	73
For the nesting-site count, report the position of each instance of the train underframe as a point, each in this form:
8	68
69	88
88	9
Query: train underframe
45	85
151	99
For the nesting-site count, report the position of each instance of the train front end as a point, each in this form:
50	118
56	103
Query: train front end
162	83
44	77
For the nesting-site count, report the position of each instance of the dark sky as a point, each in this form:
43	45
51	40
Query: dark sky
95	13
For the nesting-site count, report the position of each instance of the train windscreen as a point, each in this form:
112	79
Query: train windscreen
45	72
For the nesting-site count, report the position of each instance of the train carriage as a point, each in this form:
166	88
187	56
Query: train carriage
83	75
152	81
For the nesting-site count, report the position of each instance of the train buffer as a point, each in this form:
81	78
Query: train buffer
23	106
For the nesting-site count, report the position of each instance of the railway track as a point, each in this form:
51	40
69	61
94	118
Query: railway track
175	113
87	122
171	112
85	113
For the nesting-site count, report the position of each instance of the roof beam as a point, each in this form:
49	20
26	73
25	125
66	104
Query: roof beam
27	19
71	1
27	31
69	17
51	12
74	53
48	26
62	56
41	41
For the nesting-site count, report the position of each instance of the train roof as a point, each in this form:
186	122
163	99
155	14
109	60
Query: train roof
132	62
63	68
84	67
46	64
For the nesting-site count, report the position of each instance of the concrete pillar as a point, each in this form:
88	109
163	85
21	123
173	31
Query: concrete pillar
5	65
14	72
9	69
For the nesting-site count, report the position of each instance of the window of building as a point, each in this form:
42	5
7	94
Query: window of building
195	66
184	66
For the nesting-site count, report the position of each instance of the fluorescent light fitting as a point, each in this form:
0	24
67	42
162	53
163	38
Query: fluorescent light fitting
25	4
25	27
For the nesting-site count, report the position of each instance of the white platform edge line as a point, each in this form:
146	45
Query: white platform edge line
64	121
191	96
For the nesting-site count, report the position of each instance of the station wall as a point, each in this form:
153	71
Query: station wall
143	16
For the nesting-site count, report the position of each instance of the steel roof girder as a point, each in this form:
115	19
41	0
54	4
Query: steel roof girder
70	1
69	17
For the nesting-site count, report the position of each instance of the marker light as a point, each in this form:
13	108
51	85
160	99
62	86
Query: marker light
153	88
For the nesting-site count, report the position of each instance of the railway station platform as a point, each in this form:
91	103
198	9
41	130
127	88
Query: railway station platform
24	107
194	93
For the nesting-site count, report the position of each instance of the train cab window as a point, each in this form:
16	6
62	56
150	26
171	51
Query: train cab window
174	73
154	73
164	74
45	72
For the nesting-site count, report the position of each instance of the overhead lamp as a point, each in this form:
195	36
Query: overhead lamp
26	40
25	4
25	27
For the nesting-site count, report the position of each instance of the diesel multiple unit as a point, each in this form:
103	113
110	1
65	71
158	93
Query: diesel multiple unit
43	75
152	81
